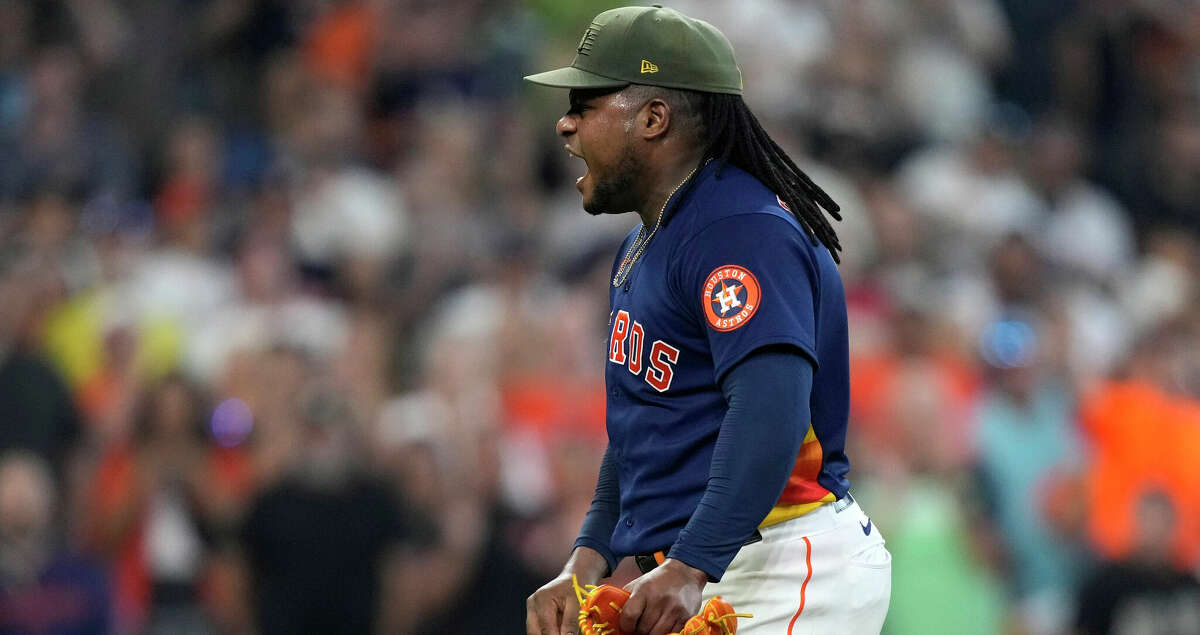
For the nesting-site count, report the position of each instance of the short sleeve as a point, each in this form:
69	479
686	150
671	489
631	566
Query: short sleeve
750	280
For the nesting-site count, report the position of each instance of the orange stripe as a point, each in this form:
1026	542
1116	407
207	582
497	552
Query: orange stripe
802	485
808	563
781	513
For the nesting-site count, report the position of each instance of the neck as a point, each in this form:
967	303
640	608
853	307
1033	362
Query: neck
664	183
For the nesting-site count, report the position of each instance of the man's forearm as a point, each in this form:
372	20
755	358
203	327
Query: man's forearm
761	434
587	564
596	533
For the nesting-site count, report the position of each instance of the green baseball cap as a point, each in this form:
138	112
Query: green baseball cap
649	45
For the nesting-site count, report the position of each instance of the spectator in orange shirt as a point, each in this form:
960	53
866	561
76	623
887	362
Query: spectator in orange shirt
160	503
1144	438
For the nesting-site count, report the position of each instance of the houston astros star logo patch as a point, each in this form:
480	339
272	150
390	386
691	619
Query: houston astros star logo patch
731	297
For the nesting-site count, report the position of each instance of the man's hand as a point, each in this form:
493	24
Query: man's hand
554	609
662	601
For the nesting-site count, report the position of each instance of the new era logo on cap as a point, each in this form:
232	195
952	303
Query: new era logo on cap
649	67
589	38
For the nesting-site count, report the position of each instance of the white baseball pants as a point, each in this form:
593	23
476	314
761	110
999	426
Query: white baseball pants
827	572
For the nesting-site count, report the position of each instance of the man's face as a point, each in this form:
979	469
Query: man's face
598	128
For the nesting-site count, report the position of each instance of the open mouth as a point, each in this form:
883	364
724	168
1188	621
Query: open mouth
580	157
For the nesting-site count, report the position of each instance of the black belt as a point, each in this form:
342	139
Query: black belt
648	561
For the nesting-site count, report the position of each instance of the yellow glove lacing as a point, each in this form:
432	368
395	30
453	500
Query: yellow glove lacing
590	624
719	621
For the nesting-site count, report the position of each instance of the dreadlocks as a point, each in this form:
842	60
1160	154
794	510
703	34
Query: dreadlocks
731	135
735	137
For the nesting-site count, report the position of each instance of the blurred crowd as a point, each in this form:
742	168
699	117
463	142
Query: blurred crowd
301	324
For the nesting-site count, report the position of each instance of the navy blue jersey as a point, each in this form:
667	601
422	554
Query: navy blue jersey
731	272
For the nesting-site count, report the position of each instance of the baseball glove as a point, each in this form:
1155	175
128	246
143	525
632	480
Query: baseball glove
600	613
716	617
600	608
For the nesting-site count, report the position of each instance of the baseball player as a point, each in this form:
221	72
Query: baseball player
727	370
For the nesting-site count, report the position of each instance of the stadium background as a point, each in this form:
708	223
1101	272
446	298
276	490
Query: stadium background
253	250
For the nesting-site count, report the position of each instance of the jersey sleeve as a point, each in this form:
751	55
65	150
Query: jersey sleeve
750	281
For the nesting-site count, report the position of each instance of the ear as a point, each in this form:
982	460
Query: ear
655	119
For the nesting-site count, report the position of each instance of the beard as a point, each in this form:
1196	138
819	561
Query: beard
617	193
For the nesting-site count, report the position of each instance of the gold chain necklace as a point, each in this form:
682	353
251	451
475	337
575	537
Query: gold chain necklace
639	245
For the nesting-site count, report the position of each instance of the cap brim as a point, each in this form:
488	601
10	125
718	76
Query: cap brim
571	77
